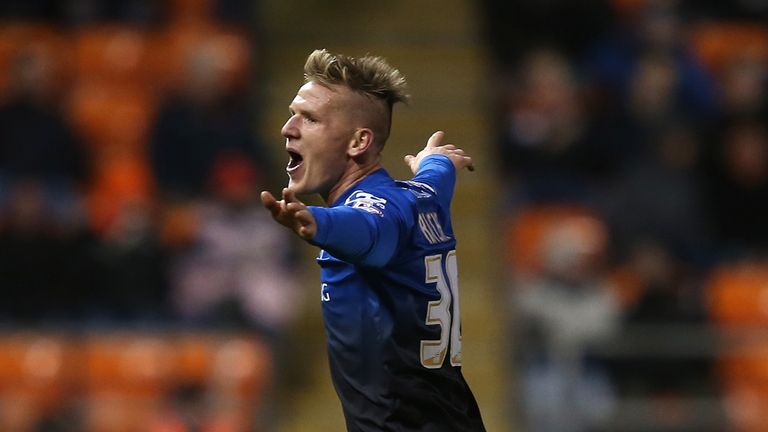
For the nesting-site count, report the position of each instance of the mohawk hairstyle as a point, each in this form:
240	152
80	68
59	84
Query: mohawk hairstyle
370	75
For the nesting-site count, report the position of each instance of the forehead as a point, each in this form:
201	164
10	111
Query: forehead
320	96
316	95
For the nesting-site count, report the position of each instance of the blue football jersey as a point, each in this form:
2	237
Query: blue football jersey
389	293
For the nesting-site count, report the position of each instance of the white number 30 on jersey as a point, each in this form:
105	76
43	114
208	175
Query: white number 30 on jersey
440	312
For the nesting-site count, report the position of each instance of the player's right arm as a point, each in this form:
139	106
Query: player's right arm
352	234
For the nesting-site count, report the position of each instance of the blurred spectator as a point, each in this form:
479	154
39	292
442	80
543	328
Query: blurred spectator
744	10
562	313
236	270
46	265
35	140
744	87
46	252
659	196
669	296
49	10
137	12
81	12
548	145
513	27
655	31
132	269
736	187
207	118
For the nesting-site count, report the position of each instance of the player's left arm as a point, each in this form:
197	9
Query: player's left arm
437	165
457	156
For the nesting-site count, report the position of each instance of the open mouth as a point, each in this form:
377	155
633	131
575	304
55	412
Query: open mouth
295	160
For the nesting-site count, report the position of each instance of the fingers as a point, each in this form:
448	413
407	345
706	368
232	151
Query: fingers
294	207
303	216
436	139
304	222
409	160
289	195
270	203
470	164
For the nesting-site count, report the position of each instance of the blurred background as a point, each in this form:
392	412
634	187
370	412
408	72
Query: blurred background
612	242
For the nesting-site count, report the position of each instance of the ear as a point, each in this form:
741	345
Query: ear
362	142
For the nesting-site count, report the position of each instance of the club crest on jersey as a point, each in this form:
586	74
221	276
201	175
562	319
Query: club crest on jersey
367	202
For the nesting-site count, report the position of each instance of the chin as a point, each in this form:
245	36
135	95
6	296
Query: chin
296	187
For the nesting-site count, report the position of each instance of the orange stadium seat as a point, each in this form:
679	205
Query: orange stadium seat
113	54
527	229
738	294
112	116
717	43
738	302
191	11
743	373
628	8
241	365
131	364
126	377
121	183
228	47
131	378
33	39
37	376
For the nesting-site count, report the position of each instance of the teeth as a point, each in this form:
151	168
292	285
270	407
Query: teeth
294	161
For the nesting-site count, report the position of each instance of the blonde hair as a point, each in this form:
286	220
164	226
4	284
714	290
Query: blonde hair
370	75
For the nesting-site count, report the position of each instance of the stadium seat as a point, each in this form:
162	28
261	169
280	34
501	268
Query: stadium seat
126	378
111	115
37	376
241	366
113	54
130	364
191	11
527	229
228	47
738	294
122	185
738	302
33	39
717	43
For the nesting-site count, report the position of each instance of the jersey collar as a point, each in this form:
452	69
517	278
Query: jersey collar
380	177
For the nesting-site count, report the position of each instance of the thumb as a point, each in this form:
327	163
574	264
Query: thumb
307	228
436	139
409	159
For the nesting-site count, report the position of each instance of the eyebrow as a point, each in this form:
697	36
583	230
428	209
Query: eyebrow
301	111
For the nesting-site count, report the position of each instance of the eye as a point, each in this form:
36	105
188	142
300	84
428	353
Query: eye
308	119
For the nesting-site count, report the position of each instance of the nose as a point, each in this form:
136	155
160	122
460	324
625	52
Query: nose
290	129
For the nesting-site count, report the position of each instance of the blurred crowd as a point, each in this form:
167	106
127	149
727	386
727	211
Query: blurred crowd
633	165
129	179
632	149
129	168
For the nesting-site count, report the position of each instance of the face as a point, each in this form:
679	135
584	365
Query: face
317	136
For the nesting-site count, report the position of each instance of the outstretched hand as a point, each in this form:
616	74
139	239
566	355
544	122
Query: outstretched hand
434	146
291	213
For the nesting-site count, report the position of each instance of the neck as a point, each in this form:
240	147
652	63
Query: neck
350	178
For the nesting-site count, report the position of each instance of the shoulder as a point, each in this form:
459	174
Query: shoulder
397	199
417	189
